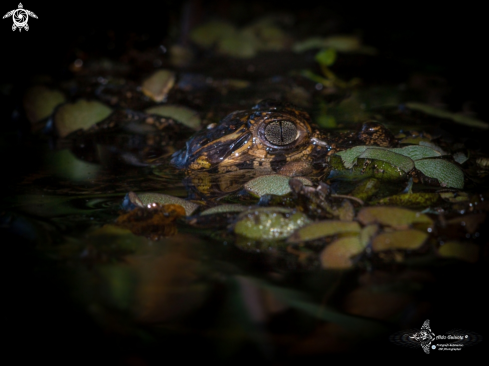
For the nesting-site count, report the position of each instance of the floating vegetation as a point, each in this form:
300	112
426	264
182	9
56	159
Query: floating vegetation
40	101
392	216
224	209
322	229
145	199
82	114
269	223
402	239
272	184
337	255
448	174
184	115
467	252
158	85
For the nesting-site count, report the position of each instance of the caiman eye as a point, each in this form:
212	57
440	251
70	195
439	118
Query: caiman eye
281	132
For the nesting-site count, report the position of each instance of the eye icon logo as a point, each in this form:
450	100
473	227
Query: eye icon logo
20	17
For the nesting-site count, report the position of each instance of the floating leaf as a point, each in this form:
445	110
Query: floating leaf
238	44
460	157
326	57
402	162
441	113
82	114
269	223
144	199
209	33
417	152
39	102
392	216
158	85
350	156
184	115
346	212
367	233
64	164
322	229
366	189
224	208
409	200
272	184
433	146
337	255
464	251
454	196
448	174
402	239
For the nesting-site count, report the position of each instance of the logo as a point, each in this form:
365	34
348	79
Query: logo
20	17
454	340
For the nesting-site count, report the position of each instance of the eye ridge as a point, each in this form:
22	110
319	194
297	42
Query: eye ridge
281	132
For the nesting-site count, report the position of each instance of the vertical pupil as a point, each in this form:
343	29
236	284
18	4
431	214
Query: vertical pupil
281	132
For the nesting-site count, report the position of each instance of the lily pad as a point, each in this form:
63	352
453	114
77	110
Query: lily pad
39	102
274	223
184	115
448	174
326	57
272	184
417	152
392	216
238	44
224	208
158	85
82	114
322	229
468	252
144	199
402	239
338	254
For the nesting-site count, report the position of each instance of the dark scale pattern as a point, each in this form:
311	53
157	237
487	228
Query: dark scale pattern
281	132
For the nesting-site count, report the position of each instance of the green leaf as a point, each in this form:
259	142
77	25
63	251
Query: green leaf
269	223
322	229
337	254
272	184
417	152
326	57
158	85
79	115
392	216
224	208
350	156
402	239
39	102
187	116
402	162
448	174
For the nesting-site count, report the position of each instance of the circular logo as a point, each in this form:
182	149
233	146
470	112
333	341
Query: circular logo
20	17
433	347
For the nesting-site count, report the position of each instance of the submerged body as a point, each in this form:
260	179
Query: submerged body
271	137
